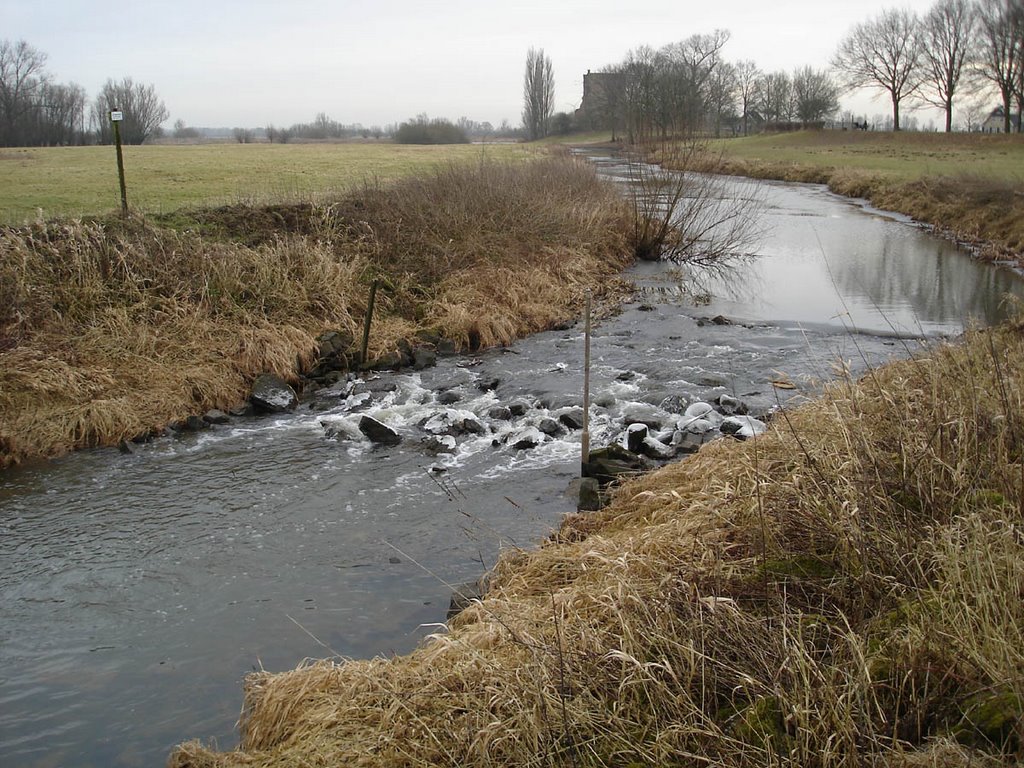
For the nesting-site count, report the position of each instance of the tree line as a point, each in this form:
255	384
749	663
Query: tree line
36	111
959	46
688	87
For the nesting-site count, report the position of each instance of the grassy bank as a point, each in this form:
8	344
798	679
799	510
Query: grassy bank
49	182
111	329
968	186
845	590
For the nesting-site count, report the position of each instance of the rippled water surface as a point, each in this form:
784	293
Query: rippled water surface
136	591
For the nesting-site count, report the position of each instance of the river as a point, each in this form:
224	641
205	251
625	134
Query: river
136	591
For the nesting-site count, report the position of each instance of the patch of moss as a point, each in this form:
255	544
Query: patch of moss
991	718
762	724
798	567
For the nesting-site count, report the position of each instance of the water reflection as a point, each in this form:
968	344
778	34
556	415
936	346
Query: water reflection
825	260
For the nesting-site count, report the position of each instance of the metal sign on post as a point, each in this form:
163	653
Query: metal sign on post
116	116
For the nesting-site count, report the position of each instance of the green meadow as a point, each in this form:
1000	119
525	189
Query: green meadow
56	182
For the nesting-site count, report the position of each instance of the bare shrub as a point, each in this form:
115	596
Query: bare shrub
681	211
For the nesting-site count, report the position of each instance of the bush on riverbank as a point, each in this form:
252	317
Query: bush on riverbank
844	590
110	328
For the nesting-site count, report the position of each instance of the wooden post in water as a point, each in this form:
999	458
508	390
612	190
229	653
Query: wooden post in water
585	446
366	323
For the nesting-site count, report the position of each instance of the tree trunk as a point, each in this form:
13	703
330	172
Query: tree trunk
895	113
949	115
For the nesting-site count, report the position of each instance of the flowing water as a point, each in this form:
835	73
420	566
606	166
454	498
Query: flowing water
136	591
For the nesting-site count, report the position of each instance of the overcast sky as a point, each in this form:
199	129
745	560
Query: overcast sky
221	63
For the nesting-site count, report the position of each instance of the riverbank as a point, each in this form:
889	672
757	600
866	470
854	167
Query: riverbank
111	329
850	589
966	186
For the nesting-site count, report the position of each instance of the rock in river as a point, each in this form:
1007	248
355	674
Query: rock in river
271	394
378	432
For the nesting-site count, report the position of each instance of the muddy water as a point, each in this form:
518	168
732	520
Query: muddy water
137	591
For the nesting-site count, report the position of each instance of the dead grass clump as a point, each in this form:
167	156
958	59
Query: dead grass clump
844	590
111	328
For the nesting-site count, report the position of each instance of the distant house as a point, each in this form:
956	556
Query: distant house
604	97
996	122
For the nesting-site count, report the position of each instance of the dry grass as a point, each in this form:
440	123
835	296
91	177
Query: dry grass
843	591
110	329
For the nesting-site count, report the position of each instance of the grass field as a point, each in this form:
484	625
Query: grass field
82	181
898	156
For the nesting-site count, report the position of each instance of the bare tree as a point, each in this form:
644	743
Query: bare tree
775	96
721	95
142	108
946	41
747	76
815	95
1001	50
538	94
882	53
21	78
60	115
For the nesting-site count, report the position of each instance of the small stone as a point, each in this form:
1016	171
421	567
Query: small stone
488	383
590	495
499	413
550	427
446	348
215	416
731	406
449	397
519	407
742	427
436	444
526	439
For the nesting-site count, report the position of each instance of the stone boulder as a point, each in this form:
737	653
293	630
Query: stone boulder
589	499
731	406
572	419
653	448
378	432
519	407
216	416
635	436
606	465
272	394
437	444
551	428
423	357
643	413
499	413
742	427
449	397
526	439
